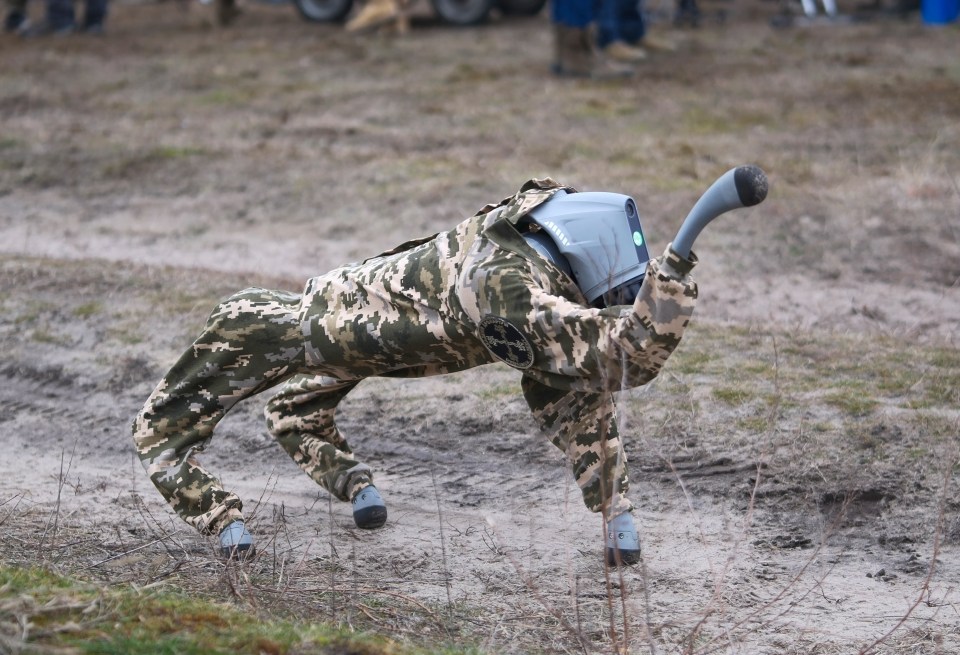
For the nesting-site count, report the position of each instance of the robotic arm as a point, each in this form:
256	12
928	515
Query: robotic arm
744	186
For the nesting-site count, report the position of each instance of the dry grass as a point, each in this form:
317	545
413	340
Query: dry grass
828	472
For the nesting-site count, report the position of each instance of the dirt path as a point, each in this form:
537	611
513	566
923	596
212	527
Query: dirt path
789	464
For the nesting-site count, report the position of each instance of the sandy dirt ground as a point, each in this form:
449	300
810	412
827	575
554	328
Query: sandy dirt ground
795	465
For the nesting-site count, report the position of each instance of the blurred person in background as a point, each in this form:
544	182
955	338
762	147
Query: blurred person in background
575	49
601	39
622	32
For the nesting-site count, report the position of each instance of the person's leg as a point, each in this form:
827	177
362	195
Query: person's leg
584	426
630	21
571	47
632	28
575	51
95	14
60	16
608	22
572	13
252	341
612	31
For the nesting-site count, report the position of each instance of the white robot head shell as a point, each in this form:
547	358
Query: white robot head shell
596	238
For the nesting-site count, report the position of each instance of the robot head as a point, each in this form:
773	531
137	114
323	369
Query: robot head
595	237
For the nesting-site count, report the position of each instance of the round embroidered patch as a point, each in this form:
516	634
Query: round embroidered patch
506	342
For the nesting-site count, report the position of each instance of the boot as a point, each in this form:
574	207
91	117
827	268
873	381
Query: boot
576	56
374	14
571	58
622	51
369	510
658	43
622	540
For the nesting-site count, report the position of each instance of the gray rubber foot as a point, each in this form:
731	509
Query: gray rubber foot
369	510
236	542
622	540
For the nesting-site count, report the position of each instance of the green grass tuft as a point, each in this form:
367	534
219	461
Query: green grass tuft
852	402
88	309
101	620
732	395
175	152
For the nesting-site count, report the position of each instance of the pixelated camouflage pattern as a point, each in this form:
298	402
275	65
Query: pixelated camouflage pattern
411	312
251	340
584	427
301	418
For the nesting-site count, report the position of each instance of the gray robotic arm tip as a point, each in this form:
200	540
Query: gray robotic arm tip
744	186
751	183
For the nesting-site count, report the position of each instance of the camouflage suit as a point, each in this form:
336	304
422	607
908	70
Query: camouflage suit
474	295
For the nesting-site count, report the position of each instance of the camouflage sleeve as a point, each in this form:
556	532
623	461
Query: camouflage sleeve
580	348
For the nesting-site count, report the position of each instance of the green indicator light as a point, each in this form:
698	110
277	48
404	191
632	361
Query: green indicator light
638	238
